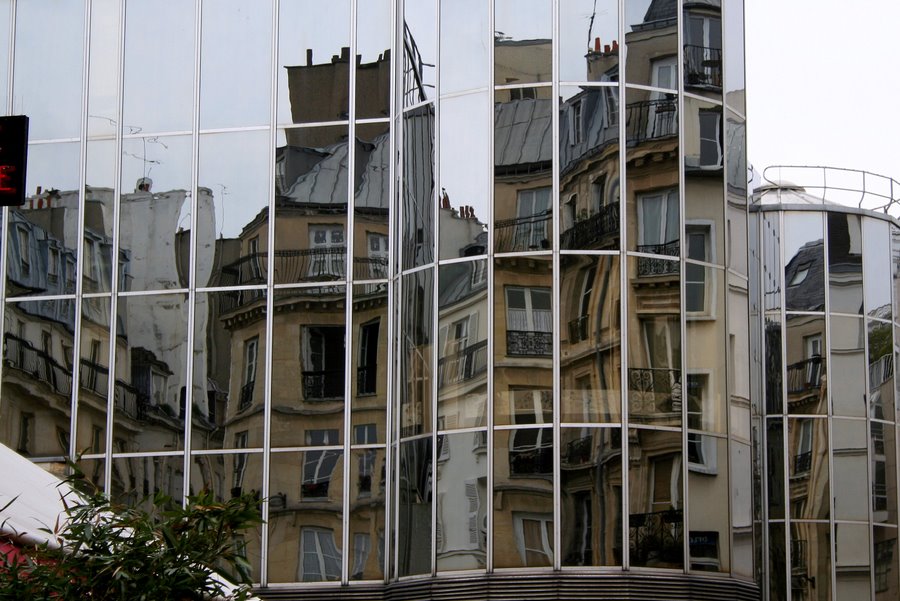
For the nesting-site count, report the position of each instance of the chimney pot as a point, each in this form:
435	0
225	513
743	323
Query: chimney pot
596	44
309	57
605	48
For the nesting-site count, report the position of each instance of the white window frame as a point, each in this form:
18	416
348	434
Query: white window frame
329	563
667	199
546	521
327	264
251	357
362	546
531	324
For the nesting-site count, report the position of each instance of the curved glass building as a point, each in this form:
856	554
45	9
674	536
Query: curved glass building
459	288
825	312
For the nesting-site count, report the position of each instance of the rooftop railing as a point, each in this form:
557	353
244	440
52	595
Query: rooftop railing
829	185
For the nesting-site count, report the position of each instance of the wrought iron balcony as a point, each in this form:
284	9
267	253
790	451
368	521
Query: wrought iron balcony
314	490
320	385
802	463
651	266
702	66
530	462
654	390
246	398
804	376
578	452
596	232
463	365
20	354
656	537
523	233
651	119
529	344
366	380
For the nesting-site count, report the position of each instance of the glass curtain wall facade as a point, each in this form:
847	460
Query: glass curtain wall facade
825	317
456	287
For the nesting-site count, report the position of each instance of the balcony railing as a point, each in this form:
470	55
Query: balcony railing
702	66
802	463
533	461
463	365
798	555
366	379
523	233
650	266
246	398
593	232
656	537
529	344
326	384
804	376
654	390
22	355
880	371
578	452
651	120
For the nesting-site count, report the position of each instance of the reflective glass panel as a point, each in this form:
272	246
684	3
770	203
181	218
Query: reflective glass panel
736	195
366	523
523	176
311	196
704	181
464	176
877	263
770	226
417	202
232	209
371	201
373	67
884	474
462	344
777	565
414	472
57	113
37	379
734	54
705	360
655	509
655	384
881	371
103	88
702	24
462	501
807	445
590	340
151	366
708	484
523	341
314	61
849	450
523	498
848	363
845	274
742	376
93	392
159	66
99	197
235	56
852	561
591	496
589	168
588	40
135	480
155	213
742	508
308	341
773	366
305	545
465	45
651	37
775	467
895	267
415	361
652	185
804	271
522	46
884	560
5	30
805	376
43	232
369	358
810	555
419	51
228	476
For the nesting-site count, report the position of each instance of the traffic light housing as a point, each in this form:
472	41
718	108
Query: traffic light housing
13	159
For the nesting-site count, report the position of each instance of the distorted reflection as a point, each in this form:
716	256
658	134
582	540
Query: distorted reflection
373	63
369	359
588	41
366	521
590	340
37	379
848	363
419	51
884	553
807	445
876	263
651	36
849	448
655	386
591	496
845	277
93	393
416	339
704	176
589	169
415	480
523	497
775	467
810	557
770	275
703	48
462	502
881	371
523	163
706	336
462	344
734	55
805	378
417	195
708	470
884	476
736	256
655	507
522	41
804	272
743	508
777	564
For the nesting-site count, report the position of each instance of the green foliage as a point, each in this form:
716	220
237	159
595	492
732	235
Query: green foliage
110	551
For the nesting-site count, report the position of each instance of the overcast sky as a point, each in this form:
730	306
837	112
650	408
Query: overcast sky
822	83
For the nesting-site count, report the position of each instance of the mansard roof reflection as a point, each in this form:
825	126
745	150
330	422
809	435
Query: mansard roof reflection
523	134
459	281
600	122
660	13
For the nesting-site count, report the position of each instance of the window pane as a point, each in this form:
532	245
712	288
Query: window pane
462	502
